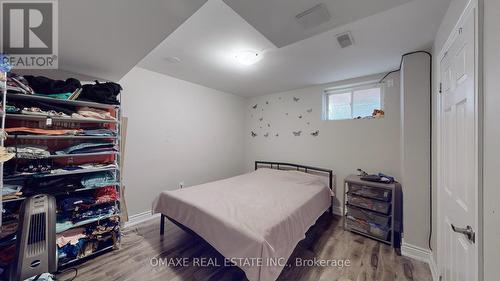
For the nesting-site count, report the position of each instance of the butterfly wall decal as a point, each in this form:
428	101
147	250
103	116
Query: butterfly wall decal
253	134
266	135
296	99
261	118
309	110
255	106
315	133
300	116
297	134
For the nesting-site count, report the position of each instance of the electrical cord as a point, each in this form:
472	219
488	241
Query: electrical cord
72	278
430	130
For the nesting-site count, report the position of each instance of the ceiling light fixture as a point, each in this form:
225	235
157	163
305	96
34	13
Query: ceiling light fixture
248	57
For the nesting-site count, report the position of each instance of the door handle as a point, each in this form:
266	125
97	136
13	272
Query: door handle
467	231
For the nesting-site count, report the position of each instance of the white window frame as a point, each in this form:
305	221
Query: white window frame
351	88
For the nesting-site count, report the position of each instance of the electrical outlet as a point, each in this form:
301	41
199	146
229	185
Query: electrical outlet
181	184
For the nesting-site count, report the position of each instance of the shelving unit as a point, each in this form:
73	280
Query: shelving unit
373	209
25	178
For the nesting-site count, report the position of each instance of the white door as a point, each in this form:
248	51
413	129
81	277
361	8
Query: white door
458	189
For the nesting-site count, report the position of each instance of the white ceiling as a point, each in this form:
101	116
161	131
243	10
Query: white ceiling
207	41
276	19
105	39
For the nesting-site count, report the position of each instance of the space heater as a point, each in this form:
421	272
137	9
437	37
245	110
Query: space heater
36	238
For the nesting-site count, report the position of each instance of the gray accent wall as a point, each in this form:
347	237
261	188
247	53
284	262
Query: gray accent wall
177	132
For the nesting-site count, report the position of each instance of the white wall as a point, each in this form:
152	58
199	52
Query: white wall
415	145
177	131
491	186
344	146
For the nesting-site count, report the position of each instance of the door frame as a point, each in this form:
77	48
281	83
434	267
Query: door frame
478	6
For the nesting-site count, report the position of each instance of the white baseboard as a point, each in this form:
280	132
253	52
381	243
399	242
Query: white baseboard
420	254
140	218
337	210
434	268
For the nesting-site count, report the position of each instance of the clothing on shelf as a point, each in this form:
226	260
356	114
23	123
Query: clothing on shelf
39	131
92	113
29	151
98	180
93	213
11	191
5	155
39	112
8	229
101	132
44	85
105	194
71	236
88	147
101	92
61	96
82	167
75	203
18	85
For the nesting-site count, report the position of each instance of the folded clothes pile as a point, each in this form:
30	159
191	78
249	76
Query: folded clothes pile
88	147
29	151
82	241
92	113
60	132
99	132
102	195
82	167
39	131
11	191
18	85
39	112
101	179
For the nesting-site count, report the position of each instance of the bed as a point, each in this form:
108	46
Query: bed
254	220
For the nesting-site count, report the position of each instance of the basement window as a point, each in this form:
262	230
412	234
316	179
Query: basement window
359	102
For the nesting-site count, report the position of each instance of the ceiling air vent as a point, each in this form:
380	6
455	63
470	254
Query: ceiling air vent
345	39
313	17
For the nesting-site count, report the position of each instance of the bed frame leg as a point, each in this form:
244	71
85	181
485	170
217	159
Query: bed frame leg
162	224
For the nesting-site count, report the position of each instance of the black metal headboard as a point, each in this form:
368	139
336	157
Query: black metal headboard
306	169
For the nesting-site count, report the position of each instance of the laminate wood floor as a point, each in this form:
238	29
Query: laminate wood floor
142	244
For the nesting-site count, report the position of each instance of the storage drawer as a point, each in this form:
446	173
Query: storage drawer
378	219
370	192
367	203
368	228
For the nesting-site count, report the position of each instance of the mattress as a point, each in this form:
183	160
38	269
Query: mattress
254	220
